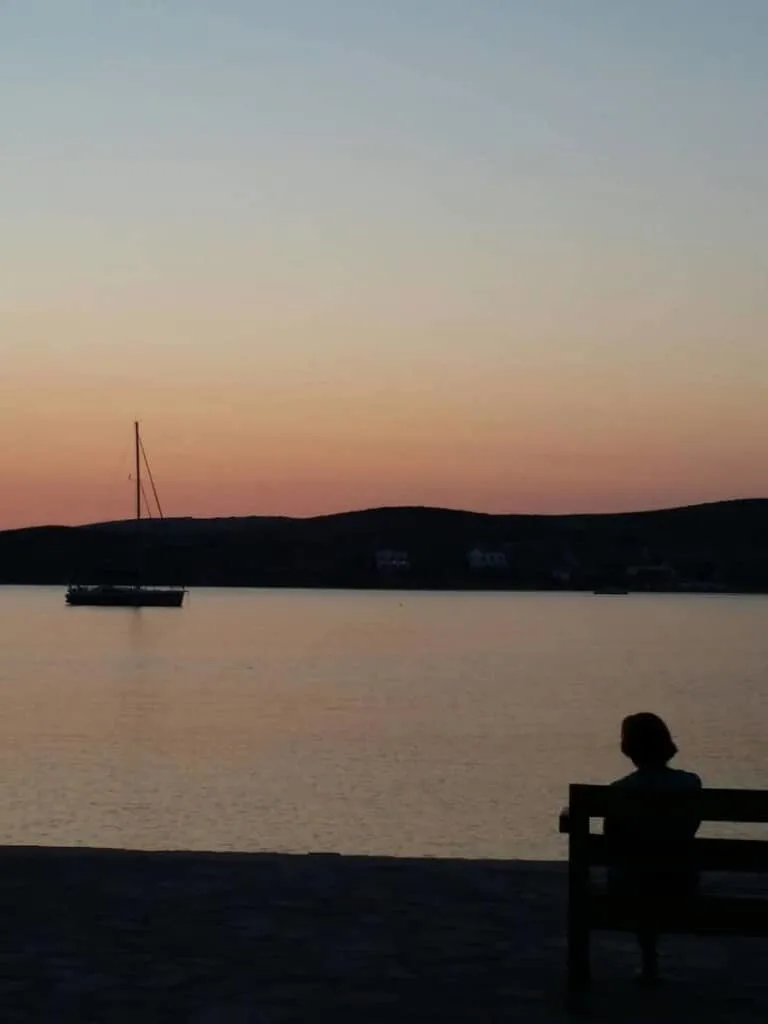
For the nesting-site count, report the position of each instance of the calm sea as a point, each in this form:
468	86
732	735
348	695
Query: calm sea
400	723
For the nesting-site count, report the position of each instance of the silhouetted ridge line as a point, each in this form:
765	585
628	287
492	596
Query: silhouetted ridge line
720	545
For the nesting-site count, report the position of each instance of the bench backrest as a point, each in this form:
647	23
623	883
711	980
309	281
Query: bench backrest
729	805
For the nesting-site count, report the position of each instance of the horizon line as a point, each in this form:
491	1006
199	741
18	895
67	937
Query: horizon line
394	508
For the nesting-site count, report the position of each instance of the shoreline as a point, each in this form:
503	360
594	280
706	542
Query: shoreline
403	588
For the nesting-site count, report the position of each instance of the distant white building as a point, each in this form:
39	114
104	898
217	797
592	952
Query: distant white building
388	560
481	558
561	576
659	571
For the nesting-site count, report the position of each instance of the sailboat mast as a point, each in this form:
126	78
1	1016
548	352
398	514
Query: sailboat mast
137	446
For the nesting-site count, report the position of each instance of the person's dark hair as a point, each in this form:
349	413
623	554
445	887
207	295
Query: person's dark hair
646	740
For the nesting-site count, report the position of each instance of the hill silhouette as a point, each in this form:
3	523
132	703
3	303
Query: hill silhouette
716	546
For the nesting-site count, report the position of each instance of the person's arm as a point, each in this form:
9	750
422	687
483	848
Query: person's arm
694	821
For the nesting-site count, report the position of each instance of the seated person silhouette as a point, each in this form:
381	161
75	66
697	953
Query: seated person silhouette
644	887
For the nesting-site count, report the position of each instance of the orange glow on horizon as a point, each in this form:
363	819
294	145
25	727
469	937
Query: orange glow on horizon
312	422
454	436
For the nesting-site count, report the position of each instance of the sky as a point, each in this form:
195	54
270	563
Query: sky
487	254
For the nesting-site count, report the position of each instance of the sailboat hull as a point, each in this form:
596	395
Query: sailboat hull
125	597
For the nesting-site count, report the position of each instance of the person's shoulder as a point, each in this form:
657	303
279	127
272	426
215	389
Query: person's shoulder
687	780
627	781
669	778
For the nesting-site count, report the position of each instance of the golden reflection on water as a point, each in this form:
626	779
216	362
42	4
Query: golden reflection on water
441	724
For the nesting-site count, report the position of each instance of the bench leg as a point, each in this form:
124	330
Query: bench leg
578	965
647	939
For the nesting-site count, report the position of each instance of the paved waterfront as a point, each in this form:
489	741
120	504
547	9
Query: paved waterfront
204	938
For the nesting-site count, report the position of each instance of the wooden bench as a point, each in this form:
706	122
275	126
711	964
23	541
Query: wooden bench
591	907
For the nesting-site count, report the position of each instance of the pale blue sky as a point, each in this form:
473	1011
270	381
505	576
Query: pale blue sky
331	194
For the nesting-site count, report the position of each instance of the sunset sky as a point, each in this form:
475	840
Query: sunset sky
507	255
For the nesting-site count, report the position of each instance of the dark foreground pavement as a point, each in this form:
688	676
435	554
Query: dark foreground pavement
206	938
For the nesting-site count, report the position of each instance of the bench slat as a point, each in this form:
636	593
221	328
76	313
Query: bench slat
702	854
732	805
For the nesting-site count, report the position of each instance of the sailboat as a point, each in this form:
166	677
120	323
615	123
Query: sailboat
136	594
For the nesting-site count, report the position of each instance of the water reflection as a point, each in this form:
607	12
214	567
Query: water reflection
136	735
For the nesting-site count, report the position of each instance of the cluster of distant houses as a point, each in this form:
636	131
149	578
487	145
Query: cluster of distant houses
390	560
489	562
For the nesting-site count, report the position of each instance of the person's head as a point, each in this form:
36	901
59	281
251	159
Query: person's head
646	740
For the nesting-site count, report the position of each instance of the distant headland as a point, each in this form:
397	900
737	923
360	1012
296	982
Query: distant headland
721	546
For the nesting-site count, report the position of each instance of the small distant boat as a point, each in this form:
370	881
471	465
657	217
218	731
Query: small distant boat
135	594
